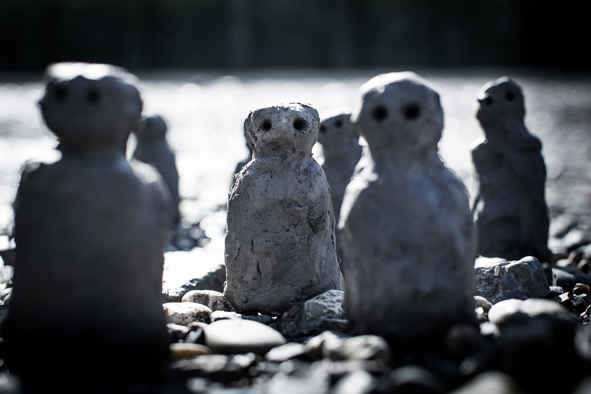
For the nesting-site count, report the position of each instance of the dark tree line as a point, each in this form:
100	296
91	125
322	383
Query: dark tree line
293	33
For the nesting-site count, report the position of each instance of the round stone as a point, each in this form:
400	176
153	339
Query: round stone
214	300
504	310
241	336
179	351
185	313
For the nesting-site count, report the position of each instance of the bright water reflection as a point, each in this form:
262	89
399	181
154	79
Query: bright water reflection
206	112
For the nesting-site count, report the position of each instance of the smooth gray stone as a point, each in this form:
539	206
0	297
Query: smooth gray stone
280	240
537	338
361	347
241	336
510	209
337	346
186	313
313	380
512	279
325	311
216	367
152	148
406	225
482	303
502	311
214	300
358	382
90	231
223	315
286	352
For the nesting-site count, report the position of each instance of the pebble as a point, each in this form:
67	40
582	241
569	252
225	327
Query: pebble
489	382
216	367
196	333
233	336
179	350
286	352
177	331
185	313
520	279
214	300
481	308
224	315
339	347
362	347
313	381
323	312
501	312
482	303
265	319
357	382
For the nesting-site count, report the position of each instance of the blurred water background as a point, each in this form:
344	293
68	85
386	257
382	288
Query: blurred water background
206	110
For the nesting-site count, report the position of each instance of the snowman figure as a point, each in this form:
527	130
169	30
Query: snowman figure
90	231
280	239
152	148
406	226
510	209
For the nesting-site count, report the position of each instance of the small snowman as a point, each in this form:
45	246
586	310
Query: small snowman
406	226
90	231
152	148
342	151
510	210
280	239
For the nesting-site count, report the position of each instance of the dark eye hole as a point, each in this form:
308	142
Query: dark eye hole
93	96
488	100
266	125
510	96
60	93
322	129
380	113
299	124
411	111
338	123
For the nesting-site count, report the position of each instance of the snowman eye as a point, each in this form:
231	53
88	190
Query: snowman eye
510	96
93	96
60	93
322	129
338	123
411	111
299	124
266	125
380	113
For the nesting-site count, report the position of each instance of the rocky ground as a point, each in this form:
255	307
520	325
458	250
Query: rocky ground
532	334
